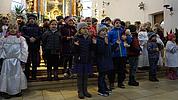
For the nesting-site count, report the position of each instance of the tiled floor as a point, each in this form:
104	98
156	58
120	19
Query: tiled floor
163	90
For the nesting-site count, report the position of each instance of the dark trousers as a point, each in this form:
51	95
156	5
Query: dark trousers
82	83
102	86
52	61
67	62
111	76
153	66
133	61
119	66
34	59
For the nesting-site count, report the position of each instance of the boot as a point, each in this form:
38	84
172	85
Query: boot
171	74
86	93
18	94
121	85
111	86
132	81
49	73
6	96
135	83
80	87
153	78
174	75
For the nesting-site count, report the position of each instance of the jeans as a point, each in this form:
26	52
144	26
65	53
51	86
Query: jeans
133	61
153	66
102	87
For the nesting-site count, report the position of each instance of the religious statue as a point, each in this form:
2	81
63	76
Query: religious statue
79	7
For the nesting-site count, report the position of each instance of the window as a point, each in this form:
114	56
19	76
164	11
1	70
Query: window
87	8
17	2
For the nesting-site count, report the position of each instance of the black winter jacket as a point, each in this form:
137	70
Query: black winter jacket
51	42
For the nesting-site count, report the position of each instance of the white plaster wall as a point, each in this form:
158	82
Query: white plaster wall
5	6
171	22
128	10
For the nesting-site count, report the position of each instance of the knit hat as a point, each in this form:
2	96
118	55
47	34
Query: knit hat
170	36
31	16
59	18
101	28
68	18
81	25
132	28
114	21
107	19
151	34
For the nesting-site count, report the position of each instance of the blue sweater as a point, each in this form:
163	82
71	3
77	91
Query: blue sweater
118	50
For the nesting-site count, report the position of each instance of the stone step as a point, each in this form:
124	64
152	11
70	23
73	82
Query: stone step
42	84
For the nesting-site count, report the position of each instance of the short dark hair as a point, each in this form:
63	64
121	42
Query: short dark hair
132	28
107	19
52	21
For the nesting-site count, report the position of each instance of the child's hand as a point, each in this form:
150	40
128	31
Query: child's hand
76	43
124	37
32	39
94	40
127	32
118	41
106	40
157	49
126	44
69	37
141	53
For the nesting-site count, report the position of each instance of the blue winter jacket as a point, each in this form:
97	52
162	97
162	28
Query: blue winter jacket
118	50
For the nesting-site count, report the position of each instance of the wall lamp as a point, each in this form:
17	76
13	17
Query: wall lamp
106	3
169	8
103	8
141	6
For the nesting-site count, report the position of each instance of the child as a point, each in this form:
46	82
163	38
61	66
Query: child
104	59
118	40
14	54
171	56
143	39
3	28
67	32
82	58
52	47
1	44
133	54
153	56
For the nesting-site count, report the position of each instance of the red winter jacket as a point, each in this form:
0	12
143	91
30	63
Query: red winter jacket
134	49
